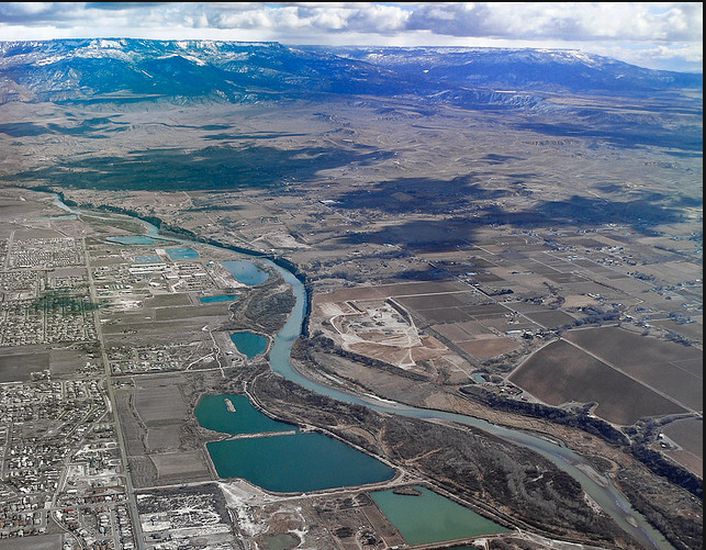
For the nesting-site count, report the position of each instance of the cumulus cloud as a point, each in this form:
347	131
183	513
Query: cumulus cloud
563	20
36	13
668	31
366	18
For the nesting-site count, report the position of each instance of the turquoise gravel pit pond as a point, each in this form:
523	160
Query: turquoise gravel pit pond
429	518
296	463
249	343
232	413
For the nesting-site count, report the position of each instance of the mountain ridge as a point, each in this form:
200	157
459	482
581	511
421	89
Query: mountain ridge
89	69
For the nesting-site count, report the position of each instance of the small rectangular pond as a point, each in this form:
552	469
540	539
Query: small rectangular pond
429	518
219	298
177	254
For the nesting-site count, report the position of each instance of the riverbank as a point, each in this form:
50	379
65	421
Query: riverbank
610	499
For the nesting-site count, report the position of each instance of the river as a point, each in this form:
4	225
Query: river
605	493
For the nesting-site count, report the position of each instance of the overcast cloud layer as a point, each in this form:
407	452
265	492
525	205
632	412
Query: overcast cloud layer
656	35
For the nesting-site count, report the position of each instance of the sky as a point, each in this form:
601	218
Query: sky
660	35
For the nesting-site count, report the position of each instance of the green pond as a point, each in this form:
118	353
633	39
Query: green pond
430	517
249	343
219	298
246	272
213	412
296	463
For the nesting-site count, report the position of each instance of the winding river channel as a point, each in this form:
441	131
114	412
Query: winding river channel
597	486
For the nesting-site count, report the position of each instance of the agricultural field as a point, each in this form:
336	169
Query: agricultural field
34	362
153	413
561	374
669	368
43	542
551	319
688	434
486	348
694	331
179	465
19	367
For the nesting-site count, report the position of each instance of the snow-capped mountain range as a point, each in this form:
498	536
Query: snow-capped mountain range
135	69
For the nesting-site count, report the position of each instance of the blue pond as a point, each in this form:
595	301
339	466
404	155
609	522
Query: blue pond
285	463
176	254
234	414
246	272
249	343
296	463
219	298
